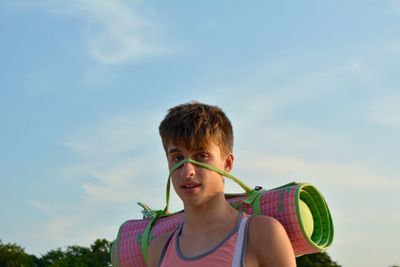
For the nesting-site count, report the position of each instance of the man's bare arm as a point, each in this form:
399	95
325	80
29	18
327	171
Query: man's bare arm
269	244
155	249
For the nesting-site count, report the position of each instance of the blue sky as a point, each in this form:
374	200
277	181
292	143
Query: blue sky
312	89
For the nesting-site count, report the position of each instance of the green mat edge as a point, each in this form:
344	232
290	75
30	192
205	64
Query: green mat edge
329	222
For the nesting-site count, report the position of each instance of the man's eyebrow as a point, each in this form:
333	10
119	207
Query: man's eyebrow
173	150
176	150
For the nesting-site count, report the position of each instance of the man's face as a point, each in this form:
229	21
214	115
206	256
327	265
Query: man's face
194	184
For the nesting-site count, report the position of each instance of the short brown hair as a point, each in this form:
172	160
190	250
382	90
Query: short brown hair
195	125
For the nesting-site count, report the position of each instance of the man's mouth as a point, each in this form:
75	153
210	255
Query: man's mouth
190	186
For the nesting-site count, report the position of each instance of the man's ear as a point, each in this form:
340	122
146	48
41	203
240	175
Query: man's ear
229	162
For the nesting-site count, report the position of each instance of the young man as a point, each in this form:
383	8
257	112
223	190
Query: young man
213	233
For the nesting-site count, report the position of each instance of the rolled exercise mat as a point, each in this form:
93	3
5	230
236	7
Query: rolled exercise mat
299	207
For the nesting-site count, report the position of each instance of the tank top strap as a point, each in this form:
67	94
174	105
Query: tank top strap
241	242
167	243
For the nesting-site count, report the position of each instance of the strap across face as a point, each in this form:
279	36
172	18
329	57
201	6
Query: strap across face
202	165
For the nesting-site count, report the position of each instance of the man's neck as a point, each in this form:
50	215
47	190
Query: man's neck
212	215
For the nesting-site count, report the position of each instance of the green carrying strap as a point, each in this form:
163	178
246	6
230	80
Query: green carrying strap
254	200
254	194
206	166
144	241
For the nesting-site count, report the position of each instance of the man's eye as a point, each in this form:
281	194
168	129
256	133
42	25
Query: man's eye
177	158
202	156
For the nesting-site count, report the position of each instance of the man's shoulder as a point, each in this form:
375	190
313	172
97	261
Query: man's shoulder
161	239
268	243
155	248
266	230
265	225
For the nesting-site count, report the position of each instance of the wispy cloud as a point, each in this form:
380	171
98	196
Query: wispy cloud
111	157
41	206
332	174
125	181
114	165
62	226
385	111
116	32
392	7
111	137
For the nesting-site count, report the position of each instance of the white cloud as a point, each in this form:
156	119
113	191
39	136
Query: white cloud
116	163
385	111
117	34
354	79
62	226
41	206
392	7
125	181
112	137
333	174
116	31
111	158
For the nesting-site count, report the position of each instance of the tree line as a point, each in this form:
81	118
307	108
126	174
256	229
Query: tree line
98	255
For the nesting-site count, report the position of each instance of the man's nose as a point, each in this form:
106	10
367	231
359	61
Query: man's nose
187	170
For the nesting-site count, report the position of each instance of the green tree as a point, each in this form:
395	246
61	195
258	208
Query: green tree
101	251
12	255
98	255
316	260
53	258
